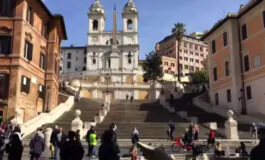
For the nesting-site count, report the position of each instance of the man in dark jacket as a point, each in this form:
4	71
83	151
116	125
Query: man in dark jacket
72	149
258	153
37	145
109	149
54	141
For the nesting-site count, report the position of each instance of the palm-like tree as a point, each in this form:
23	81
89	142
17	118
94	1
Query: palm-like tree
179	31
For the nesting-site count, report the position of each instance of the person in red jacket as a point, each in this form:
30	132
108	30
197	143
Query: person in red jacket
211	138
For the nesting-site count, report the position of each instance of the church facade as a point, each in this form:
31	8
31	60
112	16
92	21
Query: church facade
111	60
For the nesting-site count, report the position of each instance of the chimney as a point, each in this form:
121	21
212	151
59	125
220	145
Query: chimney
241	7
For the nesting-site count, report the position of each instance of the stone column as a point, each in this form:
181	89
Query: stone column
77	123
107	100
231	130
48	133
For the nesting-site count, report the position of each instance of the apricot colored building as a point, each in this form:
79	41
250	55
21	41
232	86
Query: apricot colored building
193	53
237	60
30	38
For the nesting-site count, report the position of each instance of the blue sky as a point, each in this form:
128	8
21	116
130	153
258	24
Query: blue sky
156	17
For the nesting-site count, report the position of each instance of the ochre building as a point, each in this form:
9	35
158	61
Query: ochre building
30	37
237	60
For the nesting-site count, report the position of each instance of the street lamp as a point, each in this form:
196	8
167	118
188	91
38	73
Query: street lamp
107	77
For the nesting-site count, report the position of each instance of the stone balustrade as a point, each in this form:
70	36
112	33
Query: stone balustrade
44	118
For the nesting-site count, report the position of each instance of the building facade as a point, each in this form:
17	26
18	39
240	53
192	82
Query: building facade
237	60
193	53
73	59
111	57
30	37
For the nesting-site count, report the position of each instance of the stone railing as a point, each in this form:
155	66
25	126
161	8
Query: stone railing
152	153
44	118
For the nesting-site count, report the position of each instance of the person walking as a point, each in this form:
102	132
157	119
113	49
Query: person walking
15	147
196	132
37	145
135	136
257	152
127	97
211	138
131	99
2	144
61	136
72	149
171	129
54	142
253	132
109	149
92	128
92	143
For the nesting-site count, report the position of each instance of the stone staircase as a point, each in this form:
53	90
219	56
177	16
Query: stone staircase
151	120
185	104
89	109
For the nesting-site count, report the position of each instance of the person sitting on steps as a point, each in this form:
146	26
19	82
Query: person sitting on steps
218	150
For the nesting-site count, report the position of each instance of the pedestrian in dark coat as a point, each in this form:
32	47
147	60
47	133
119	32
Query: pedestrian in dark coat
37	145
72	149
15	148
109	149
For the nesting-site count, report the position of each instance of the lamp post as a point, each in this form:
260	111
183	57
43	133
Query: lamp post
107	77
161	80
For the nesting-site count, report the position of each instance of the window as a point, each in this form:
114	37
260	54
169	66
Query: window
263	16
201	48
244	32
246	63
213	47
93	61
196	54
191	60
172	64
186	67
227	68
196	47
186	58
129	24
129	58
25	84
30	15
180	57
216	99
201	55
68	65
28	49
166	71
191	52
4	87
95	25
248	92
6	8
185	51
180	66
228	95
166	63
84	68
69	56
257	61
42	63
44	31
225	38
197	68
172	72
191	68
197	61
41	91
5	44
85	60
215	76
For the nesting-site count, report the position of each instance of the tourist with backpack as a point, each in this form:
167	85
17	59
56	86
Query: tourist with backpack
37	145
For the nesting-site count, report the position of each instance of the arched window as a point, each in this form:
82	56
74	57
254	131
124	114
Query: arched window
129	58
95	25
129	24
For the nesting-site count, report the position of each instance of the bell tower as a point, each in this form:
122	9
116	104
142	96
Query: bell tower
96	17
130	17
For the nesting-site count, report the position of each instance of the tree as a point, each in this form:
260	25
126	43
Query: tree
152	67
179	31
200	78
